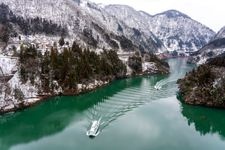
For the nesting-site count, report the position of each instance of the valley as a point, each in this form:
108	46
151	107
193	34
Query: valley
127	78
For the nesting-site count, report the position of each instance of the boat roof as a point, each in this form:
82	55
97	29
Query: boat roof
94	126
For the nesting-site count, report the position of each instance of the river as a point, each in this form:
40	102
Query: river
134	116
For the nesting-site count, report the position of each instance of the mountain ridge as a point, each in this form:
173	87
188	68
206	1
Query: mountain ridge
175	29
173	13
79	17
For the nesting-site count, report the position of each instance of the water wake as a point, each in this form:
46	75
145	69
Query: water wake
112	107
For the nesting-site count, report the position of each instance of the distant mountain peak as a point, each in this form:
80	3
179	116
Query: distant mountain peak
145	13
119	5
173	14
220	34
175	29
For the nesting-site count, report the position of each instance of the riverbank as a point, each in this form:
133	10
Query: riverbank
70	72
29	102
81	89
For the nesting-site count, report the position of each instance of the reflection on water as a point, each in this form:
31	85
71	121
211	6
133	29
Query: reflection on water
205	120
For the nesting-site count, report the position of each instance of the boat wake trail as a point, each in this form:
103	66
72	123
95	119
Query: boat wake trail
111	108
171	79
159	85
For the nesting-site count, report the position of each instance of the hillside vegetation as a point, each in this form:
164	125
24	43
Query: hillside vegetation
205	85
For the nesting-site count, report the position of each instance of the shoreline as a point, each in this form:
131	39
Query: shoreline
31	102
182	99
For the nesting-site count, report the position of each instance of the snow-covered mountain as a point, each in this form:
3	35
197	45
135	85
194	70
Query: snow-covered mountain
176	30
213	49
179	31
117	26
34	27
87	23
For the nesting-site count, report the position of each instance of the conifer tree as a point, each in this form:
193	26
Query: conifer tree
61	41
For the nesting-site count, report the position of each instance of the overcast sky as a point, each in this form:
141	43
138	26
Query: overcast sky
209	12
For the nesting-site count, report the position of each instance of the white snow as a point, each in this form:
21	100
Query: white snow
27	89
9	107
91	86
216	82
220	34
203	56
7	64
77	17
177	33
213	49
31	101
148	66
202	61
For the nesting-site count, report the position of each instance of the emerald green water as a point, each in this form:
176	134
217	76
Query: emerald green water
135	116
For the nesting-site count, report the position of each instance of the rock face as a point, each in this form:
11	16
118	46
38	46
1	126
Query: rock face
176	30
206	84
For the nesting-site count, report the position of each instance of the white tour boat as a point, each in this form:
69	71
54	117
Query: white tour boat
94	129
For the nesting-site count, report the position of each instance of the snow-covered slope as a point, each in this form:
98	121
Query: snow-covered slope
220	34
131	17
178	31
7	64
175	29
88	23
40	24
213	49
144	41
